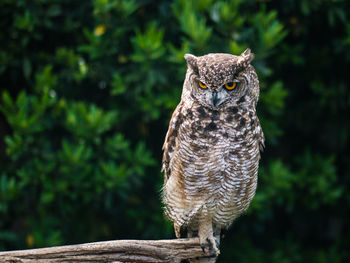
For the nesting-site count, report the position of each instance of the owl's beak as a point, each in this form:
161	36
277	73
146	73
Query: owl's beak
215	98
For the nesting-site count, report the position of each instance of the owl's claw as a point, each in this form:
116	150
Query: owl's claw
203	247
217	240
212	247
206	237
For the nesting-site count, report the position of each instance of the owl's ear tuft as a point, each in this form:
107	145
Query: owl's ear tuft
244	60
247	56
192	62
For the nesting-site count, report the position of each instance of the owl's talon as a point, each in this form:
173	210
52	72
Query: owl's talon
211	247
217	240
203	247
217	243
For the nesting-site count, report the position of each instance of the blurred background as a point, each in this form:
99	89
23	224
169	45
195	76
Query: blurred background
87	89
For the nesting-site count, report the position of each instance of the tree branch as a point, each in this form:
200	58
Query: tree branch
142	251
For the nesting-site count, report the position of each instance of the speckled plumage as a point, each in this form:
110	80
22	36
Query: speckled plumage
211	150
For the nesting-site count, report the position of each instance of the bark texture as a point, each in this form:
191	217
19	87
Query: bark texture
155	251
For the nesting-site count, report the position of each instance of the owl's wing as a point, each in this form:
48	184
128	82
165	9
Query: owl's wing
170	141
261	137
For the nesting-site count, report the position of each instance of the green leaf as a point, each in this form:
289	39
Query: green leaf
118	85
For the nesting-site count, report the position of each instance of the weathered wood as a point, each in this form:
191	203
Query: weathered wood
142	251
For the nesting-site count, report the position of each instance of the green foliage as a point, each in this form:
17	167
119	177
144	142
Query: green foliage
87	90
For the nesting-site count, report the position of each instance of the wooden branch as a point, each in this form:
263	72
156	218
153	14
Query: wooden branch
142	251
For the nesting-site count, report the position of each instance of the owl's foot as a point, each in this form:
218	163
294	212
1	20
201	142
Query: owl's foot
177	229
210	243
217	240
206	237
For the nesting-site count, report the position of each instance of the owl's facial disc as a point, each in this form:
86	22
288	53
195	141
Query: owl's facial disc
220	96
216	96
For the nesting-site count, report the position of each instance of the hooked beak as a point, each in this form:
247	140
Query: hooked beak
215	98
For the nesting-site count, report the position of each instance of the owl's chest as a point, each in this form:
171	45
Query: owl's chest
216	147
217	128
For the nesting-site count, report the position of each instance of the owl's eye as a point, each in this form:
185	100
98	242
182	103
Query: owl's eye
202	85
230	85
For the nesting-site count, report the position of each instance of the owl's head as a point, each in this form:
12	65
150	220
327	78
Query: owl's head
220	80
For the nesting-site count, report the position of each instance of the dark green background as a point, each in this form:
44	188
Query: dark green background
87	91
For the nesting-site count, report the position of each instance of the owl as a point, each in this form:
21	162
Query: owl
212	147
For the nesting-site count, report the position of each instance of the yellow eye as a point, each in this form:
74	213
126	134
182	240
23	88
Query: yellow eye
230	85
202	85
